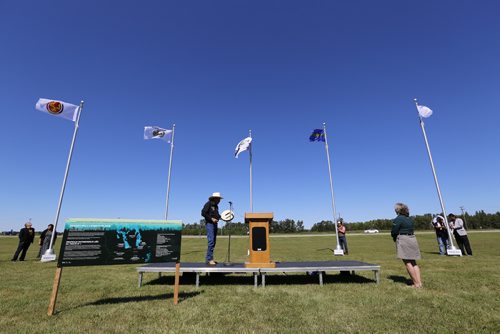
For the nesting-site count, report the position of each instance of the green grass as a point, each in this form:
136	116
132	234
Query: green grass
460	295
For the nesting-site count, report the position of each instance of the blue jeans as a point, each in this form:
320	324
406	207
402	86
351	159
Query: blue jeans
443	244
343	243
211	238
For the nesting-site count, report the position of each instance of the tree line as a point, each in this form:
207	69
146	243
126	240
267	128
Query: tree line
479	220
238	228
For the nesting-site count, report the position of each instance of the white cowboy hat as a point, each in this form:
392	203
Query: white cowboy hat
215	195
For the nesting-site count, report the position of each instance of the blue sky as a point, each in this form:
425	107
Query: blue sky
219	68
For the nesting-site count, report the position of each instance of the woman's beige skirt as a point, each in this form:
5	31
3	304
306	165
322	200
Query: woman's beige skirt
407	247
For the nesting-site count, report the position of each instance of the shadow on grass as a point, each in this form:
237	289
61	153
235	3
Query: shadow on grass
280	279
212	279
400	279
322	249
345	277
119	300
434	253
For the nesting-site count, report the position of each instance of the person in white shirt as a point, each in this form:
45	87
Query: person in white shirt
460	234
441	234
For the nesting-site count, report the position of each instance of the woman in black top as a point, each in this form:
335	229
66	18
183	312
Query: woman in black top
406	242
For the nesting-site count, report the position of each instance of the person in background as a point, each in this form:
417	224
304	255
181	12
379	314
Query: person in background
45	239
441	234
406	242
460	234
26	237
342	240
211	214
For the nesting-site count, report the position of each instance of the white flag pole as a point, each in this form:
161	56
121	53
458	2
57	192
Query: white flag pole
49	253
452	250
338	250
170	170
251	184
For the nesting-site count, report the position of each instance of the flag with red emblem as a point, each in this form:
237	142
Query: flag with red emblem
58	108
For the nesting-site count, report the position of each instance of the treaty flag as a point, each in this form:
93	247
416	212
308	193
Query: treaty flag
58	108
317	135
424	111
242	146
155	132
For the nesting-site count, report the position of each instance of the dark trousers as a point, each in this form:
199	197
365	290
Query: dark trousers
21	248
463	243
343	243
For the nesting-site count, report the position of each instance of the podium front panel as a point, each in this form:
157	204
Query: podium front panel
259	239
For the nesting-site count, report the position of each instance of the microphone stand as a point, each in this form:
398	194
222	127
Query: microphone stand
228	262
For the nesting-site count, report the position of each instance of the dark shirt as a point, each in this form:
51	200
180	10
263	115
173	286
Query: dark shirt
44	233
440	229
210	210
27	235
401	225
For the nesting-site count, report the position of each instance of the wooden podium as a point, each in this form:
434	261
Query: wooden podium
260	250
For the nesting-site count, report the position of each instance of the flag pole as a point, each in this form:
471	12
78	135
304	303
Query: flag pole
251	183
170	170
49	253
452	250
338	250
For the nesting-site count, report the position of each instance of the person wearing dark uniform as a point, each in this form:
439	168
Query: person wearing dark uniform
45	239
406	242
26	237
211	214
460	234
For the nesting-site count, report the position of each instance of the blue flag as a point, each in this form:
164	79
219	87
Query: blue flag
317	135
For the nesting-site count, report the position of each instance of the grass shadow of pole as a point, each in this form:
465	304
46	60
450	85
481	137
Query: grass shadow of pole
400	279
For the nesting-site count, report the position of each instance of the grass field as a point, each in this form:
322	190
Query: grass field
460	295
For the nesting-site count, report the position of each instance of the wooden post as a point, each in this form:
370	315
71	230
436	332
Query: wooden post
176	284
55	290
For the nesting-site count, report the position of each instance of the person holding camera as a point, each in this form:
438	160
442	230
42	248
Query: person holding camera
441	234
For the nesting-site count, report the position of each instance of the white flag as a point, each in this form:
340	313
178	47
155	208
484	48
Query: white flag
58	108
242	146
424	111
155	132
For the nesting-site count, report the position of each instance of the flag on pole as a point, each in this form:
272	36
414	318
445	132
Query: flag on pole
155	132
424	111
242	146
317	135
58	108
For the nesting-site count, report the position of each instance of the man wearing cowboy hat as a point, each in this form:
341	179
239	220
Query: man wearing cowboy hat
211	214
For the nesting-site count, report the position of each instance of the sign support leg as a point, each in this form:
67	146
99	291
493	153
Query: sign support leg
55	290
176	284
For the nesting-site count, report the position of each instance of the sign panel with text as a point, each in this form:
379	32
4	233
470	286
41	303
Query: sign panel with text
88	242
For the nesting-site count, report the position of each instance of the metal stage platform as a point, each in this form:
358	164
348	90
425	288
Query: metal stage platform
318	267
